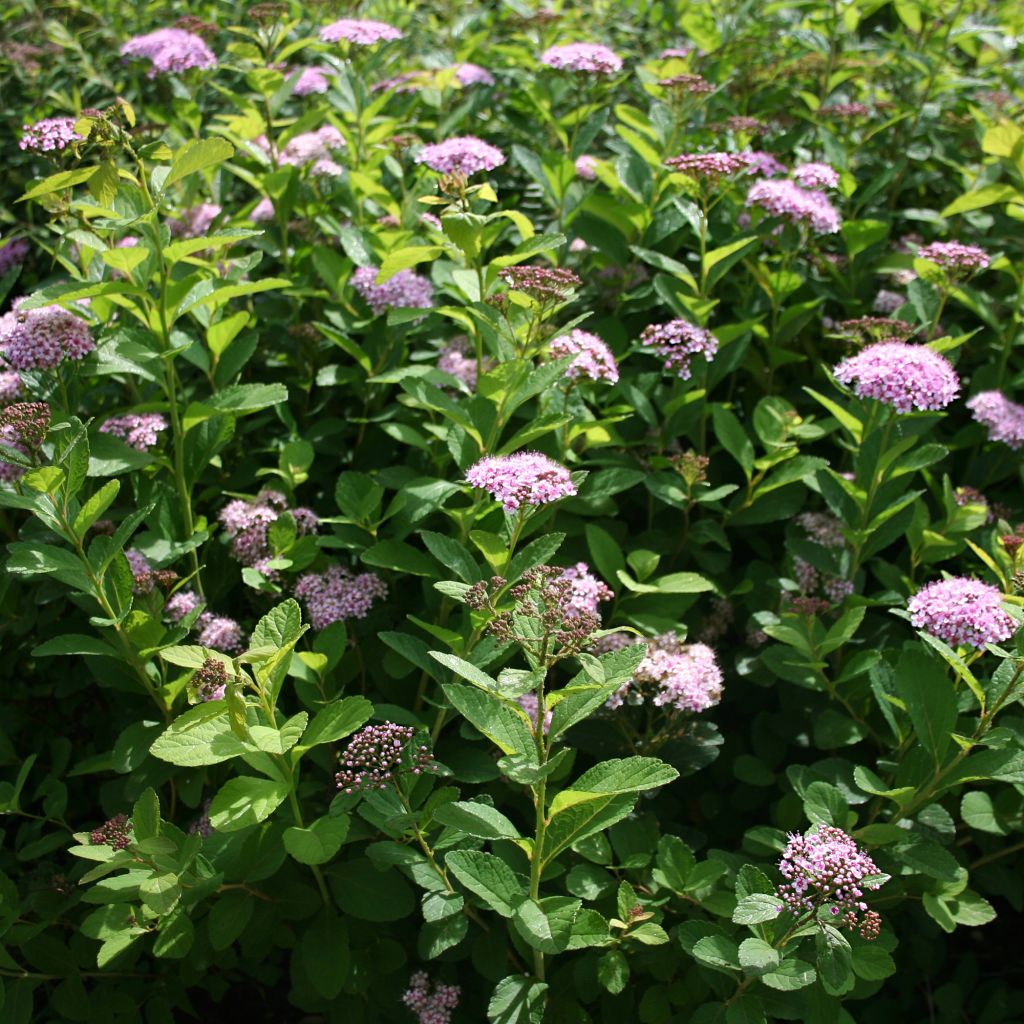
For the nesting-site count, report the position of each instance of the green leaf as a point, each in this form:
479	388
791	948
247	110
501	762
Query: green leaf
202	735
196	156
476	819
245	801
95	506
517	999
790	975
978	198
488	877
675	861
175	937
280	627
757	957
319	841
757	908
146	815
468	671
402	557
546	925
403	259
160	893
325	953
930	699
228	917
733	437
336	720
872	963
613	971
73	643
505	728
718	951
58	182
835	961
618	775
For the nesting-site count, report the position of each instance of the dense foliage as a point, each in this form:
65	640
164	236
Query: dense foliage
514	506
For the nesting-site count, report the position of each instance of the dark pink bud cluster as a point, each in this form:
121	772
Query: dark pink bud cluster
696	85
432	1004
826	868
115	833
25	423
210	680
377	754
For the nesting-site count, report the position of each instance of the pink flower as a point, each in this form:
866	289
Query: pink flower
219	632
594	358
40	339
708	165
473	74
180	604
50	135
194	222
800	206
585	167
901	375
138	430
464	154
10	385
431	1007
359	32
170	51
586	592
590	58
310	81
888	301
1004	419
955	255
526	478
817	176
337	594
762	164
677	342
457	360
405	290
263	211
826	867
685	677
961	611
13	253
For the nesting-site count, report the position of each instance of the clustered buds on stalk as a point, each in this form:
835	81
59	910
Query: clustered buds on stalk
693	468
210	681
114	833
378	754
544	597
545	284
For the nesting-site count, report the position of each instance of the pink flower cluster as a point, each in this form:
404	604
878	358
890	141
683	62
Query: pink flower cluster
590	58
685	677
473	74
430	1006
194	222
464	154
40	339
585	167
901	375
708	165
827	868
13	253
263	211
1004	419
169	51
180	604
677	342
955	255
311	81
404	290
10	386
377	753
359	32
594	359
457	360
50	135
888	301
763	164
586	591
526	478
246	523
531	705
219	632
337	594
310	147
961	611
786	199
138	430
814	175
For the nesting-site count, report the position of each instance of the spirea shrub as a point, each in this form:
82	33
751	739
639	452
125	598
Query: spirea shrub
511	513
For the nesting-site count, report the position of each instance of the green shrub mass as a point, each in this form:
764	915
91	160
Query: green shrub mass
511	513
